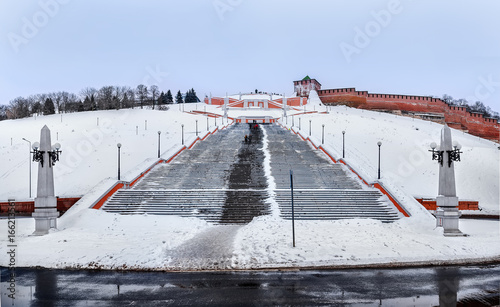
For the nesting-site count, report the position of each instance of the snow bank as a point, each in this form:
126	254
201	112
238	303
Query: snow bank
267	243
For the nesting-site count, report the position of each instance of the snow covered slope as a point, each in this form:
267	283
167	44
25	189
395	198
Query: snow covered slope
90	153
405	160
96	239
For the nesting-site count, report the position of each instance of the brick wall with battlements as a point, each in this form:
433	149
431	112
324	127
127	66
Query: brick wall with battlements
425	107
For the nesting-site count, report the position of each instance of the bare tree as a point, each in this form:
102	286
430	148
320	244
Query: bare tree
105	98
87	92
142	94
56	98
461	102
19	108
155	92
129	98
448	99
3	112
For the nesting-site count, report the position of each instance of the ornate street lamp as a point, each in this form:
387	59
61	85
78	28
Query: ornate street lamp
54	153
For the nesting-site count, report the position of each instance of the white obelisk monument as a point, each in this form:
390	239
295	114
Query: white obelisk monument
45	203
447	213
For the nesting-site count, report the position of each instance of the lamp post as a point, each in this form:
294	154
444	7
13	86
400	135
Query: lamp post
343	144
310	127
159	132
207	124
323	134
379	145
119	145
299	124
293	121
196	127
29	161
182	128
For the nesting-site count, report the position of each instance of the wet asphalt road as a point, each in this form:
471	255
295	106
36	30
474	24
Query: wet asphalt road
449	286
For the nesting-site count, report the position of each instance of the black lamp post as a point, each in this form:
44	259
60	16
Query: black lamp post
159	132
119	145
379	145
323	134
182	128
196	127
299	124
293	121
309	127
29	161
343	144
453	155
207	124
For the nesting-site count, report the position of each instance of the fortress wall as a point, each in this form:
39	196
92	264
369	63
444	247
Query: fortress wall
455	116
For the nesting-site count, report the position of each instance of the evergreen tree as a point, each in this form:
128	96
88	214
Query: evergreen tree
188	98
161	101
164	99
178	97
195	97
169	97
191	96
48	107
36	108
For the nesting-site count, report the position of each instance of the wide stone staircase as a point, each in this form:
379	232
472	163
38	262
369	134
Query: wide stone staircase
220	180
322	190
206	204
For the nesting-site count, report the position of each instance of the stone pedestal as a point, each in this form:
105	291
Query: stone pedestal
447	216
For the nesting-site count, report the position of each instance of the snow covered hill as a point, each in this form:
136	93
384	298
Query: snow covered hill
88	238
89	155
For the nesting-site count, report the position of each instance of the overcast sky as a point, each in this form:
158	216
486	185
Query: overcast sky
423	47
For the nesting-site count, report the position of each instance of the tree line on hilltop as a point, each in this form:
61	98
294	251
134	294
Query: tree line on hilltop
476	107
91	99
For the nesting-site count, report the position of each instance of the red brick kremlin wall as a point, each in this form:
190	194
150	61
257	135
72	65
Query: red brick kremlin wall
455	116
